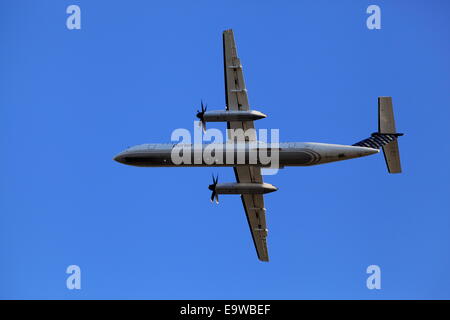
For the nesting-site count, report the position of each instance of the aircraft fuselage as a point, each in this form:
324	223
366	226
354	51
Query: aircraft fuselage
231	155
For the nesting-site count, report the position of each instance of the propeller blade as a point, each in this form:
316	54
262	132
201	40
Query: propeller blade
203	106
214	195
200	115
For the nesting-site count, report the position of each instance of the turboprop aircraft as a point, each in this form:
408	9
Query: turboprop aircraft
248	150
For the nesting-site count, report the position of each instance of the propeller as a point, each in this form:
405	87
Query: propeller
212	187
200	115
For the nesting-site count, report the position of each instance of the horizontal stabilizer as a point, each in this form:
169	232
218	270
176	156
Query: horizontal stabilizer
386	125
392	157
386	137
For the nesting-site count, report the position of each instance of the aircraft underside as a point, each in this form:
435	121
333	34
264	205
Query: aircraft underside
301	154
247	154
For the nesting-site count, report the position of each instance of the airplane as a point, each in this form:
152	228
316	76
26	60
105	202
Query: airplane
249	182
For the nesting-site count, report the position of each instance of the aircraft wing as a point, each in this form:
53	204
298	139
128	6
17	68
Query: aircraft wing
255	212
235	90
236	99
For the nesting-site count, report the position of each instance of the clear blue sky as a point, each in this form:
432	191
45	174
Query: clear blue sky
71	100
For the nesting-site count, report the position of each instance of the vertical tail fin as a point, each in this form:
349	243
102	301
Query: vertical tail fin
386	125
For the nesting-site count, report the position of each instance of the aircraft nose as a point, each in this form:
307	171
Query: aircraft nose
120	158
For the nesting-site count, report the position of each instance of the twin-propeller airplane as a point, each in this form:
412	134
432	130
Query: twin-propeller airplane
249	183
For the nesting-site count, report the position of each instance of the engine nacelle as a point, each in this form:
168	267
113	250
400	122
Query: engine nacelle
224	116
244	188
